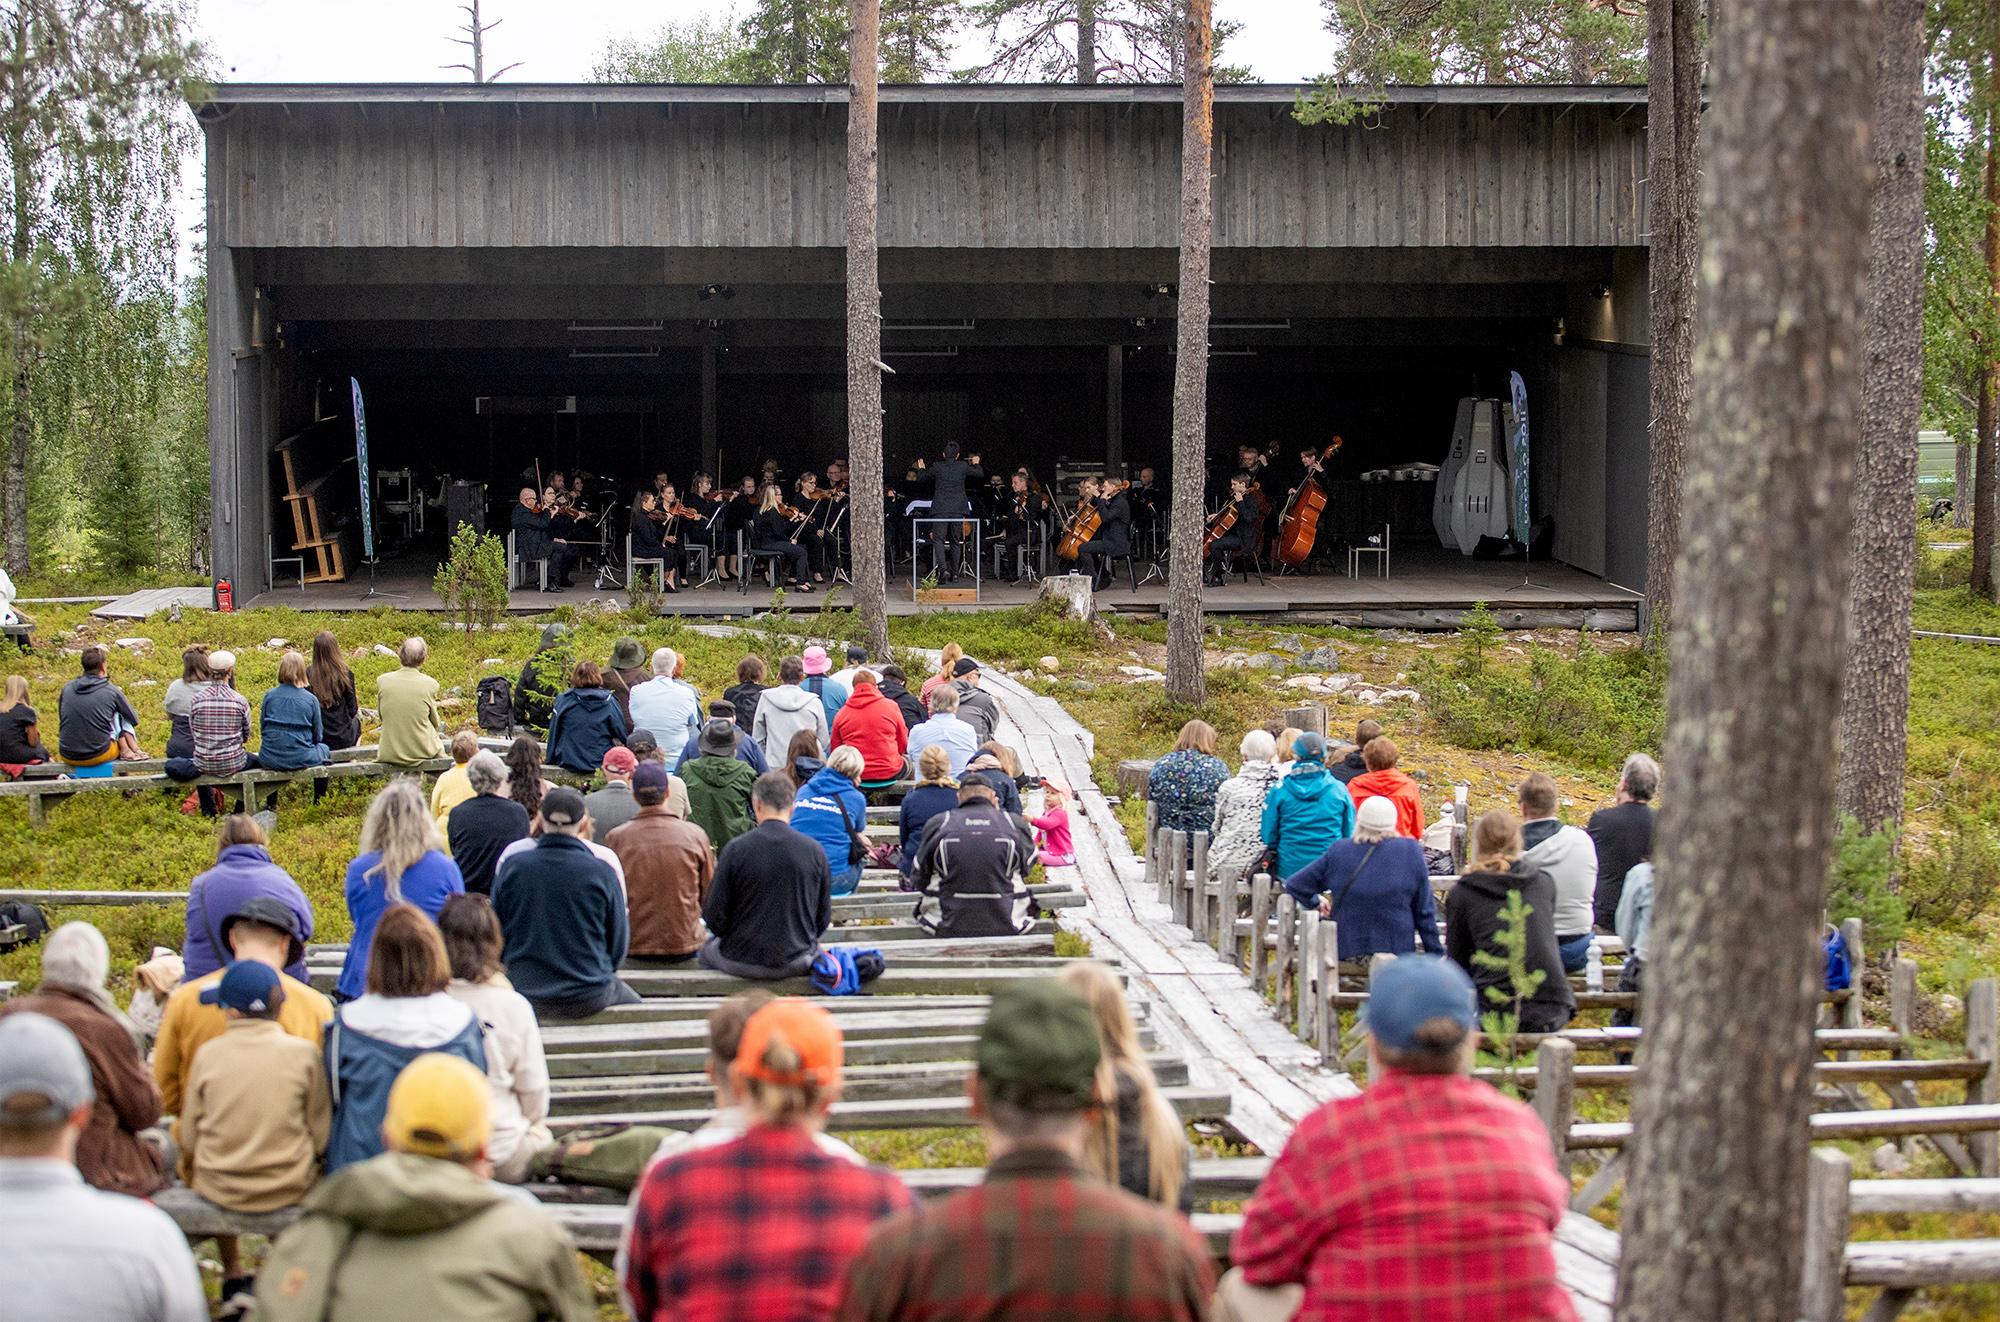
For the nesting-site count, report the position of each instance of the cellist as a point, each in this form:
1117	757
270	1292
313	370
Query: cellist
1224	546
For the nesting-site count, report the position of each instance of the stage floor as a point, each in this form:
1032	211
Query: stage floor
1426	588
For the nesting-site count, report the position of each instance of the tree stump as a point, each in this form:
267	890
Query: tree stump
1132	777
1073	591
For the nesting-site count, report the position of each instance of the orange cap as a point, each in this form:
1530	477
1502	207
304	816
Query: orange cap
804	1027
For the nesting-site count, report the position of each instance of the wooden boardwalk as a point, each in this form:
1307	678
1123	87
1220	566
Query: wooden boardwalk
152	601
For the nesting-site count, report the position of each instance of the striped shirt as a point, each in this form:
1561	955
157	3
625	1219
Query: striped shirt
219	720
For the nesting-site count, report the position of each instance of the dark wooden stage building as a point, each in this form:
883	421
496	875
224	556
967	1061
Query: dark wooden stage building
637	278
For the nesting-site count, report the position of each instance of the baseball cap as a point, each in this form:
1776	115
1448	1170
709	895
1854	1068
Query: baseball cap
650	776
856	653
438	1108
268	911
40	1061
804	1027
1039	1047
562	806
1411	992
246	986
815	660
1377	814
966	665
718	736
643	745
619	761
1310	747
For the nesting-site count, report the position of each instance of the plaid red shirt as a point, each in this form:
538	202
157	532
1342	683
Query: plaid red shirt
1427	1198
1038	1240
759	1230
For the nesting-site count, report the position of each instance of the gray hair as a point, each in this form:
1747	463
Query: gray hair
76	955
1259	746
663	661
944	698
1640	777
413	652
485	772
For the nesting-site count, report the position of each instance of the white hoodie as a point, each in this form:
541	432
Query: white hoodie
781	713
1569	856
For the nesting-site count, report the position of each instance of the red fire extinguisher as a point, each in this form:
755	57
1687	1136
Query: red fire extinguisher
225	599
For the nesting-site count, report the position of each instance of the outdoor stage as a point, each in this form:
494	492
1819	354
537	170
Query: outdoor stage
1427	589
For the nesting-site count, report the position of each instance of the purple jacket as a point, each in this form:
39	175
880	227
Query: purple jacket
241	872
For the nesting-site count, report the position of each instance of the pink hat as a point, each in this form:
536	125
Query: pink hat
816	662
619	761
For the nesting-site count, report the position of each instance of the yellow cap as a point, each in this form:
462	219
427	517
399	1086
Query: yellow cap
438	1107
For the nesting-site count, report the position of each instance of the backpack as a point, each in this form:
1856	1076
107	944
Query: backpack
1839	961
496	704
843	971
32	919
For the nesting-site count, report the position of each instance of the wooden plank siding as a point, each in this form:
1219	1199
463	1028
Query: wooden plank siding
1000	175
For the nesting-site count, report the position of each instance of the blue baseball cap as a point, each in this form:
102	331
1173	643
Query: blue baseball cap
1309	747
1411	992
246	986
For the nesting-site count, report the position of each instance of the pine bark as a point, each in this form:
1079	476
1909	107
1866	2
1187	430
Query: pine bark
1185	680
864	332
1961	487
1086	42
1986	475
1673	189
21	434
1875	717
1715	1209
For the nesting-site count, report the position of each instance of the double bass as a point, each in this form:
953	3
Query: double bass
1298	526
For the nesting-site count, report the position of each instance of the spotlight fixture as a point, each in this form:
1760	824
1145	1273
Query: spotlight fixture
1142	323
1162	291
1601	291
717	291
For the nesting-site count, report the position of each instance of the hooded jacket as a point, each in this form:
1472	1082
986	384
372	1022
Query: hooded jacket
408	1236
1349	767
361	1066
872	724
782	712
241	873
986	768
977	709
972	871
1304	814
583	728
828	809
906	703
86	720
1472	920
718	791
1397	787
1569	856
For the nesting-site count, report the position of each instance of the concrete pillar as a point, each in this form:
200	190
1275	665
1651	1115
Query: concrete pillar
1114	407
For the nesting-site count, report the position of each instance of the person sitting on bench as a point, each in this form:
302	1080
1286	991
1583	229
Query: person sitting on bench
772	898
406	698
972	869
292	727
95	725
219	719
563	911
20	735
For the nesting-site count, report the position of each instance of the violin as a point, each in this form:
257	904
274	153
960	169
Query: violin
1298	527
679	511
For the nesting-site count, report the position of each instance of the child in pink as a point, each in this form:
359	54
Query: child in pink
1052	827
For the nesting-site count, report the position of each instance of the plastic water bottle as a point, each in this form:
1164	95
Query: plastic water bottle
1593	969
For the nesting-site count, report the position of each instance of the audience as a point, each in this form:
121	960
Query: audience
115	1151
895	686
747	750
830	811
948	660
990	766
1382	777
857	661
563	913
243	871
541	676
972	870
613	806
400	863
1376	887
80	1253
1307	810
772	897
219	722
626	671
872	725
1473	917
787	710
763	1227
485	824
1634	928
454	784
975	706
665	707
1570	859
669	869
832	695
1236	837
1041	1237
291	732
744	695
718	785
525	783
1623	834
422	1231
517	1071
404	1013
936	792
406	704
802	759
1183	784
333	688
180	701
585	724
95	725
1052	835
1431	1188
1135	1140
1354	764
1287	738
946	730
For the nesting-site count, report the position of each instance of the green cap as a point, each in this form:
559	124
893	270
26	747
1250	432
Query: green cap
1039	1047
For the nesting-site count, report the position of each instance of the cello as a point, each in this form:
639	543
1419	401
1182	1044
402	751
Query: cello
1221	522
1085	523
1298	526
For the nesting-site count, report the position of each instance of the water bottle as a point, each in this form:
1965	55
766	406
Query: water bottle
1593	969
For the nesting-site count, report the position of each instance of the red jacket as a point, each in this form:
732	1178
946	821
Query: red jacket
873	726
1398	789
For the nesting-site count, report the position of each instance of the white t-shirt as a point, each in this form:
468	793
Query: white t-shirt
527	842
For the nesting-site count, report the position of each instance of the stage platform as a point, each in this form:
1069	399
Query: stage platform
1426	589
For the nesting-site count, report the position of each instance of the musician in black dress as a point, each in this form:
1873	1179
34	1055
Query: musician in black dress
534	538
649	526
816	502
772	531
1020	521
1223	551
950	481
1114	535
740	515
708	530
1144	496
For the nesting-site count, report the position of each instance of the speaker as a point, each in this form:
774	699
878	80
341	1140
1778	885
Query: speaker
465	502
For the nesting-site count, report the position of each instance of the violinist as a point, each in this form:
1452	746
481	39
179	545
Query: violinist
1225	544
740	516
534	537
1020	518
649	535
772	532
838	532
1114	535
708	530
817	504
673	533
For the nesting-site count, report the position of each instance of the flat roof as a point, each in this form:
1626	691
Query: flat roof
222	95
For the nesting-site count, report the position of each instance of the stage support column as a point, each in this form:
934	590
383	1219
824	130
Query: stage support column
1114	407
708	431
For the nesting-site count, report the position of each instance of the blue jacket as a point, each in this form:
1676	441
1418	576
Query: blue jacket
563	914
428	884
360	1070
832	695
585	725
1379	891
1304	814
828	807
241	872
293	735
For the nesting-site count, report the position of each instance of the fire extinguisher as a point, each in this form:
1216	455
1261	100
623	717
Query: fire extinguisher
225	599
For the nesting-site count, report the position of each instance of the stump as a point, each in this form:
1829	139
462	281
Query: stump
1311	719
1074	594
1132	777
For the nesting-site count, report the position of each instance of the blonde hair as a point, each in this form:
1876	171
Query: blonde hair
1285	738
292	670
847	760
1122	1060
948	657
399	827
934	764
1496	841
779	1103
1197	735
17	692
773	497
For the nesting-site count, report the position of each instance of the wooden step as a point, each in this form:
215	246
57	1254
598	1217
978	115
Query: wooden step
939	1112
692	1056
1835	1125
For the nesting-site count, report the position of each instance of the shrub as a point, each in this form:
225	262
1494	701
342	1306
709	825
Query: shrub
472	582
1952	883
1859	885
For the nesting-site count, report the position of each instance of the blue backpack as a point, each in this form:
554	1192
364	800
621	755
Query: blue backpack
841	971
1839	961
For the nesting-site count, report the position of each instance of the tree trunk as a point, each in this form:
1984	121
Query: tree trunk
864	333
1673	169
1875	718
1715	1211
1086	42
1185	681
1961	487
1986	480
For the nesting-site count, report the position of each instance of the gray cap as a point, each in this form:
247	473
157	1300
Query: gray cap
40	1061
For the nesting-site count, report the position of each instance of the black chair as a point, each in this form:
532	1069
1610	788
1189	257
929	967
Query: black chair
747	558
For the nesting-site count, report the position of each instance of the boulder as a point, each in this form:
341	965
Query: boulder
1290	643
1321	658
275	644
1141	674
132	644
1050	663
380	650
1889	1159
1267	661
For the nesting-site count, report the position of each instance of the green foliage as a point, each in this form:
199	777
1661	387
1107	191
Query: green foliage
472	582
1961	321
793	41
1137	41
1589	706
702	49
1859	883
1952	882
1069	945
1478	639
784	41
1501	1025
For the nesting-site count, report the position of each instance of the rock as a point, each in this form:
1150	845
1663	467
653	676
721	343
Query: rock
1267	661
1369	696
1289	643
1234	661
144	684
1421	776
380	650
368	714
267	819
275	644
446	704
1379	658
1305	681
1889	1160
1141	674
1342	683
1132	777
1321	658
1050	663
1949	1006
1082	686
492	661
174	613
132	644
1399	695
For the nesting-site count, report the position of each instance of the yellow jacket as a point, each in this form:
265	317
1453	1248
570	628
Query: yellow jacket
187	1024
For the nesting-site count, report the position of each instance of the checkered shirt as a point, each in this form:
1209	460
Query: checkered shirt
219	720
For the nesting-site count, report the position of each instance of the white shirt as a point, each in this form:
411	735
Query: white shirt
84	1253
957	737
845	678
527	842
515	1063
670	710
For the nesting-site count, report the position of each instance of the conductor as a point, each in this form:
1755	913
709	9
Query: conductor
950	481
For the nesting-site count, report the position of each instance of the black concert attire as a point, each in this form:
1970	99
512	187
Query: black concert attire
1145	508
1224	550
648	537
818	509
1020	521
772	531
1114	538
838	527
534	539
949	479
